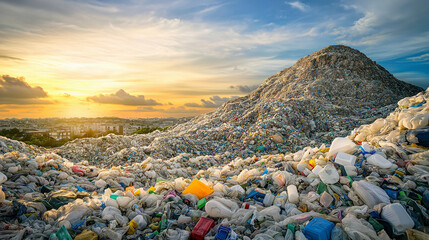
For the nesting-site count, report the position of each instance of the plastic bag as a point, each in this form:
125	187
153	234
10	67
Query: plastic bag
220	208
356	230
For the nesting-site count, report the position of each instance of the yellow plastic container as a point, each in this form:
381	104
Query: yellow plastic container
130	188
198	188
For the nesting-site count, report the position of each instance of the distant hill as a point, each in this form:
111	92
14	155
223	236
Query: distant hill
325	94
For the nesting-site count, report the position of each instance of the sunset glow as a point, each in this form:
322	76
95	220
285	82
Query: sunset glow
182	58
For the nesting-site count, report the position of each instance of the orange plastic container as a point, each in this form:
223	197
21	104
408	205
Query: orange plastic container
198	188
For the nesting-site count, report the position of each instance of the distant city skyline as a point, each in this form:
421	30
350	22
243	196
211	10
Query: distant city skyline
143	59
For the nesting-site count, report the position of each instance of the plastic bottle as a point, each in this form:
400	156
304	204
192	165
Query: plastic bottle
293	195
268	200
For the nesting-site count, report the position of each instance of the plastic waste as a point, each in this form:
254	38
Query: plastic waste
341	144
379	161
358	229
198	188
318	229
326	199
220	208
370	194
345	159
398	218
141	222
418	136
223	233
86	235
3	178
63	234
202	228
338	233
293	195
268	200
329	174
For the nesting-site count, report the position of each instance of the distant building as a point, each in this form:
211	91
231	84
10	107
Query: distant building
60	134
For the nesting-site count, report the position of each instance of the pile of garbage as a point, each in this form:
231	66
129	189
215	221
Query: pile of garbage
323	96
372	184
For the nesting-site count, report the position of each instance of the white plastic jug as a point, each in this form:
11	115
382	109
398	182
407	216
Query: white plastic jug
398	217
317	169
341	145
293	195
379	161
329	174
345	159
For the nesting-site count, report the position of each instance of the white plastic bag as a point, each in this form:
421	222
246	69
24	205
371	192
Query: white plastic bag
220	208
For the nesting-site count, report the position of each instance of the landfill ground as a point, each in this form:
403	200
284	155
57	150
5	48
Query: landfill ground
369	179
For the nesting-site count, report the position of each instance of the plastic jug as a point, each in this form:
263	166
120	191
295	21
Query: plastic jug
329	174
198	188
202	228
318	229
341	145
222	233
379	161
345	159
370	194
397	216
317	169
293	195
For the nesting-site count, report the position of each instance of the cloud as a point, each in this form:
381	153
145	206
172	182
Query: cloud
123	98
172	110
421	58
213	102
387	29
179	109
245	88
18	91
11	58
299	5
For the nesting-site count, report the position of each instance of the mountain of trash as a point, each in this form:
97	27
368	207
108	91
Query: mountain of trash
324	95
372	184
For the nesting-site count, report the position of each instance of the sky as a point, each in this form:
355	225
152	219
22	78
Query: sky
138	58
